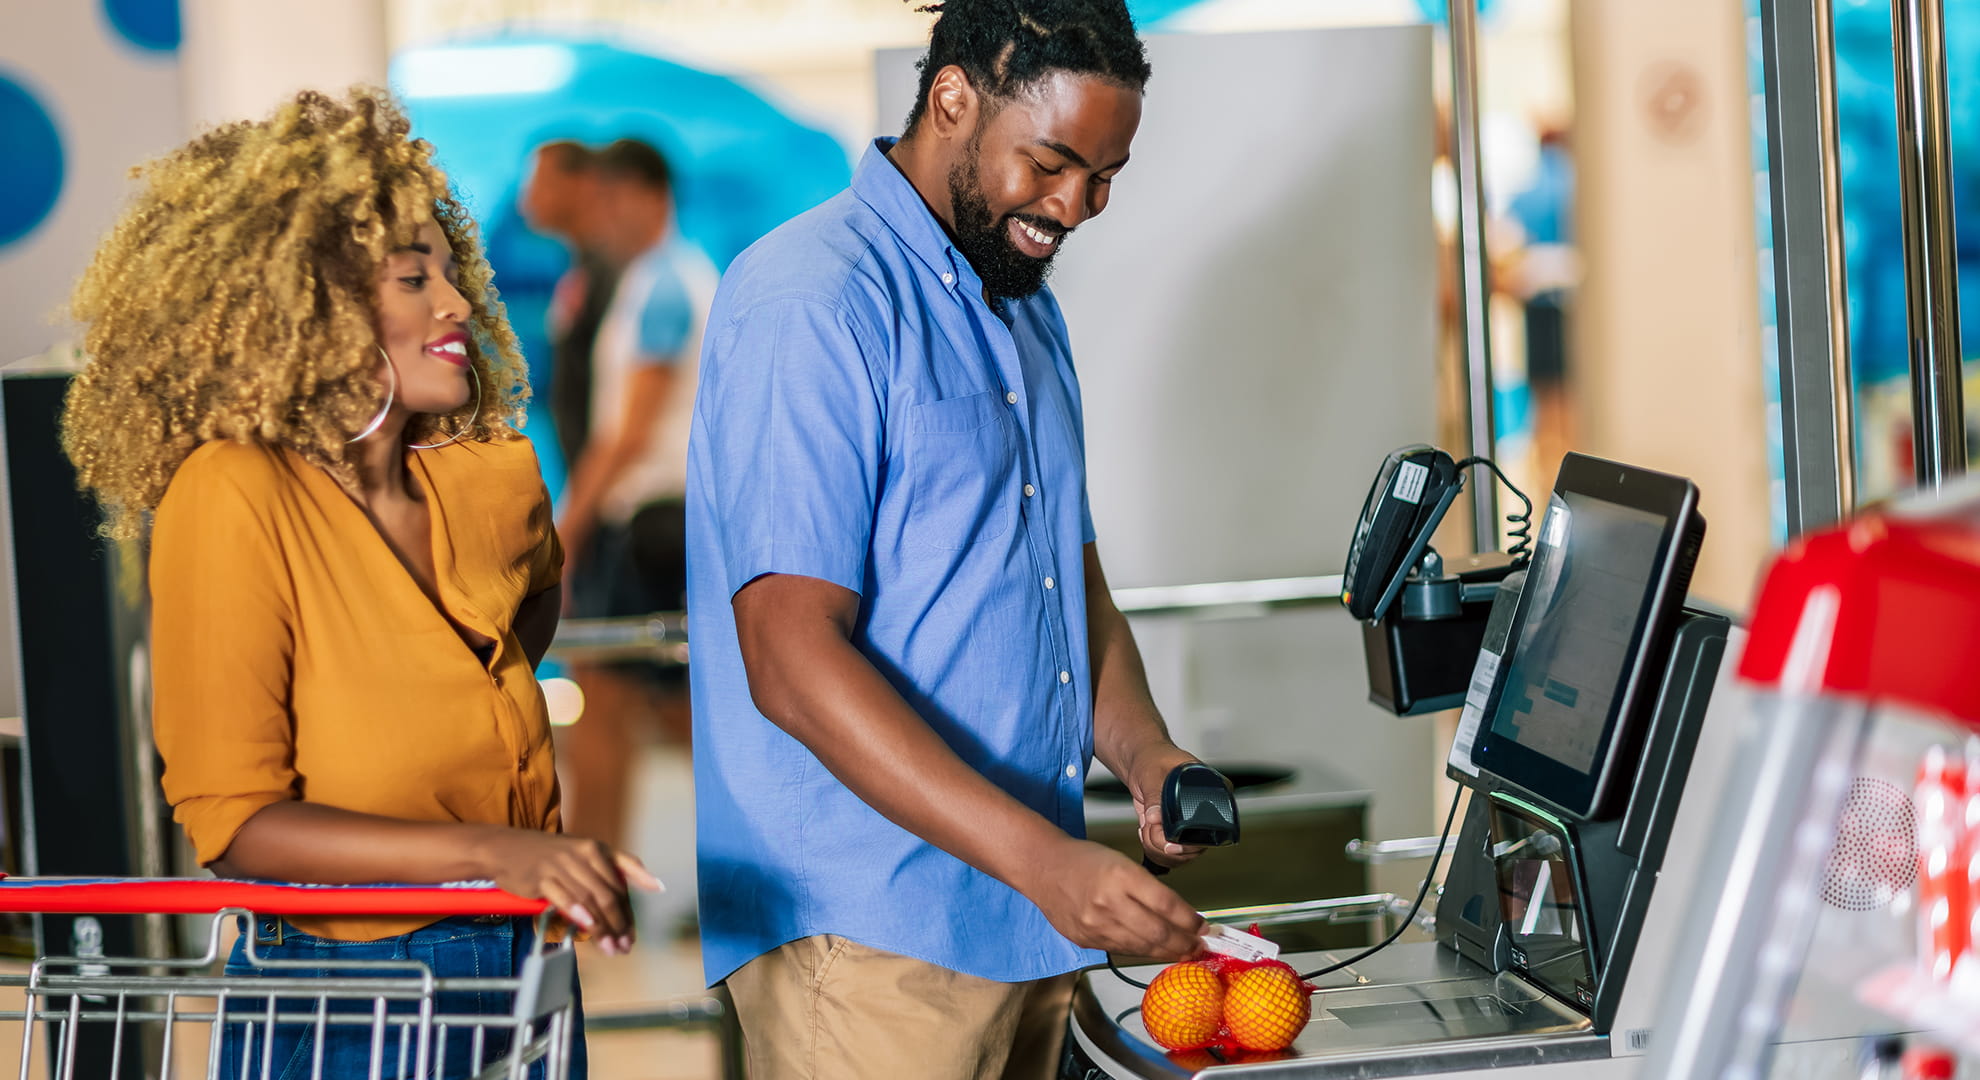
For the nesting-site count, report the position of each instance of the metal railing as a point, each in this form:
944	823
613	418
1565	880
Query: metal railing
662	636
712	1011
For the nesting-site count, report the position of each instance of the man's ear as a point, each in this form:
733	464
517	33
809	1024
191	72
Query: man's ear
952	104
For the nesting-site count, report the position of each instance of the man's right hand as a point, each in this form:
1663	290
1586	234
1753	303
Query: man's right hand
1099	899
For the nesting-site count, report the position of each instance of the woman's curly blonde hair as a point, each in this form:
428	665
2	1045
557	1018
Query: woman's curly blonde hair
234	300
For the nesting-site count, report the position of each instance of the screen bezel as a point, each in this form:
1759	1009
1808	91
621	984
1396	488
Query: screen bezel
1581	795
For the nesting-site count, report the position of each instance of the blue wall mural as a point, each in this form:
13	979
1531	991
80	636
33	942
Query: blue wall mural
148	24
31	183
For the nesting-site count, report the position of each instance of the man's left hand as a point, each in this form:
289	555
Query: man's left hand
1146	787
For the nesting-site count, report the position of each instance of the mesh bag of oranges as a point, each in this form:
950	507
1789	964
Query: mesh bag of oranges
1227	1004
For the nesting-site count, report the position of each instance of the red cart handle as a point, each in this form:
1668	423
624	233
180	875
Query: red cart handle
204	896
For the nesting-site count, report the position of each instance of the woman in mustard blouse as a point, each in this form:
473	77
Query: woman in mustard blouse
301	380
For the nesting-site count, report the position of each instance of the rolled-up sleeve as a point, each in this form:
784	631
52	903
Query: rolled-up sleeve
222	651
794	428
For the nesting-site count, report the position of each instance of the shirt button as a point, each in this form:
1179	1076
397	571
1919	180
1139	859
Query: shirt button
1065	676
948	279
1029	491
1049	583
1011	396
1072	771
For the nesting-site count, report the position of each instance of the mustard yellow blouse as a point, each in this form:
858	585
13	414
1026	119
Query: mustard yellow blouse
295	657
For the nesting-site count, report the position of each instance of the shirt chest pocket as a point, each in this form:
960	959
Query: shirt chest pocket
965	471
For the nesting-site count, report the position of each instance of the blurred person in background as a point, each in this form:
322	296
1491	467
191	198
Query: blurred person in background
301	380
1542	274
905	651
562	197
622	516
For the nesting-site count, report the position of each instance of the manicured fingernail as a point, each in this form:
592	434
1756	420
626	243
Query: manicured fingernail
1173	849
580	916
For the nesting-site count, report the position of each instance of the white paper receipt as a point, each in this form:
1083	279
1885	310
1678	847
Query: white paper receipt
1237	944
1483	674
1410	478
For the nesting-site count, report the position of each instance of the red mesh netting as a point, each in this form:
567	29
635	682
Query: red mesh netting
1228	1005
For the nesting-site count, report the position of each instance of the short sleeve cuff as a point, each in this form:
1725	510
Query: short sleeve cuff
842	567
212	822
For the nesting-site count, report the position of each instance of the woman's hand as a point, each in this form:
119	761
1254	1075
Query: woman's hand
586	881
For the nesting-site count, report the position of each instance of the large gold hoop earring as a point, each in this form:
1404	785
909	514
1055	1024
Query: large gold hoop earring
465	428
391	391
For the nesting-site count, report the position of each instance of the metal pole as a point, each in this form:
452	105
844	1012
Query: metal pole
1473	277
1931	268
1811	299
1835	275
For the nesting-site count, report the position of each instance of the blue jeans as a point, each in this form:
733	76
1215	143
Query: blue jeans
453	948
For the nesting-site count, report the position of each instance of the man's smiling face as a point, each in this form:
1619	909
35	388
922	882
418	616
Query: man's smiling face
1033	171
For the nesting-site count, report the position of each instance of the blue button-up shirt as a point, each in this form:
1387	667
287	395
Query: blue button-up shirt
865	418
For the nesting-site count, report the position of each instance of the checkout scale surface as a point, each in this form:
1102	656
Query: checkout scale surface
1586	708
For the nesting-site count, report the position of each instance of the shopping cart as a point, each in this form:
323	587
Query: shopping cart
87	1011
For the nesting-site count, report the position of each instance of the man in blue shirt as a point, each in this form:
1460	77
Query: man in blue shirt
905	653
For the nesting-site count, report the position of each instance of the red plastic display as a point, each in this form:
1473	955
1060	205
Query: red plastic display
204	896
1885	609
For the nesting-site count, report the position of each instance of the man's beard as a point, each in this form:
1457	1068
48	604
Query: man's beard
1007	273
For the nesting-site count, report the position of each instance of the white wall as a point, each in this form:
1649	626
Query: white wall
244	56
1253	321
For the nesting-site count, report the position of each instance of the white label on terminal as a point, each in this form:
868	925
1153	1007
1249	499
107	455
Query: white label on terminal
1410	478
1483	675
1237	944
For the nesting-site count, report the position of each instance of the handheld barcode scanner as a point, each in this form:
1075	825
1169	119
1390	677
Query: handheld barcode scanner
1198	806
1199	809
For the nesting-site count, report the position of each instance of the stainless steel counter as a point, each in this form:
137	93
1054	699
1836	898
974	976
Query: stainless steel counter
1410	1010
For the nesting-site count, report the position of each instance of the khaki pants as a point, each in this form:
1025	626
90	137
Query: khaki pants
824	1008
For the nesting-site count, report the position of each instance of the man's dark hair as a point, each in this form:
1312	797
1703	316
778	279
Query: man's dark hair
567	155
637	161
1007	46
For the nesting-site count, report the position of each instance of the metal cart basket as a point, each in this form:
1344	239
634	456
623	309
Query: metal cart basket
84	1012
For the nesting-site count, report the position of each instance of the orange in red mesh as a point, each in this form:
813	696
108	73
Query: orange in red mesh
1266	1007
1183	1007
